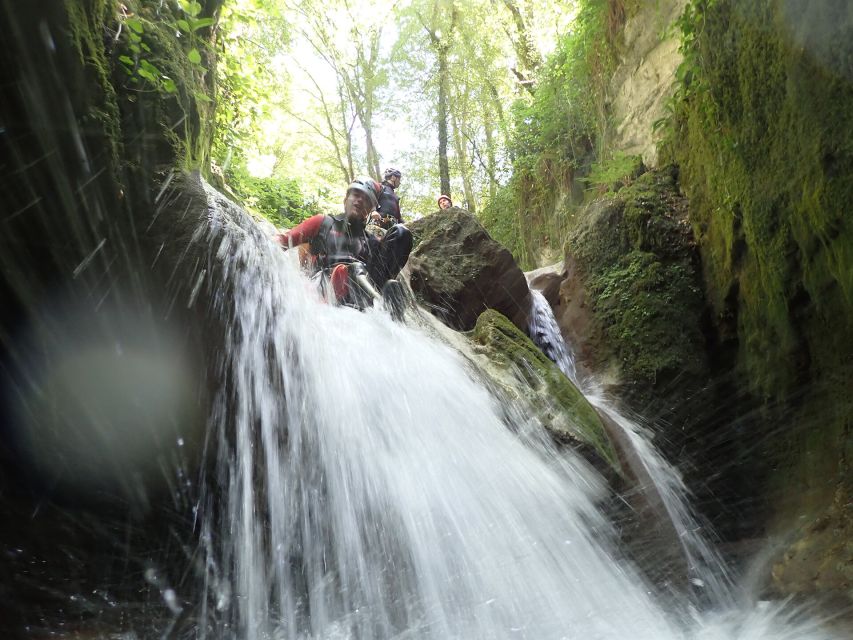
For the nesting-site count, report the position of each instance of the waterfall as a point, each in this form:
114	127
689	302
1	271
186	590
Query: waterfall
366	486
665	486
546	334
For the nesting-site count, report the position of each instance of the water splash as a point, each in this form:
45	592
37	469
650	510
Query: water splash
658	482
371	489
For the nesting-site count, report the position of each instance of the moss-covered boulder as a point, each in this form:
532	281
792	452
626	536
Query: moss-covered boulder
634	298
763	132
458	271
564	411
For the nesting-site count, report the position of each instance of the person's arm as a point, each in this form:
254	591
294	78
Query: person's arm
305	231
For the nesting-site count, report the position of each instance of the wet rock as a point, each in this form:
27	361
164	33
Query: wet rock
821	558
632	296
562	409
458	271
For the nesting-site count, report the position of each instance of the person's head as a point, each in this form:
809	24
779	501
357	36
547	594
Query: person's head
444	202
361	198
392	176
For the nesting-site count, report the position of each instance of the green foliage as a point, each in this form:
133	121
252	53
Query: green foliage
163	50
500	220
557	133
280	200
614	173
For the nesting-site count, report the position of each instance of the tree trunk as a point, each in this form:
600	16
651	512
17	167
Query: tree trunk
372	153
463	164
443	73
529	59
350	170
491	160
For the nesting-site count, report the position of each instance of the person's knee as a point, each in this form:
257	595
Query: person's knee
340	281
400	235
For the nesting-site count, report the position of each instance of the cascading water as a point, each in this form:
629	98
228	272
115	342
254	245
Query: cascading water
546	334
370	489
703	566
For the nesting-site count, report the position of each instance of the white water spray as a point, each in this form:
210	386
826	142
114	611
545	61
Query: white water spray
371	490
546	334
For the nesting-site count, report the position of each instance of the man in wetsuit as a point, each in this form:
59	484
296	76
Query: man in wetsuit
388	206
341	248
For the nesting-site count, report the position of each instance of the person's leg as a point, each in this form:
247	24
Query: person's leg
340	281
394	250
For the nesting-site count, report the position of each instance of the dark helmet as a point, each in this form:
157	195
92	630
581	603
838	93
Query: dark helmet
369	187
390	172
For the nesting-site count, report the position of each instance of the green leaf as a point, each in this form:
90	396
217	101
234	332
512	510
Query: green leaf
150	68
144	73
194	56
201	23
183	25
135	24
145	47
169	85
201	97
127	60
192	8
135	37
135	48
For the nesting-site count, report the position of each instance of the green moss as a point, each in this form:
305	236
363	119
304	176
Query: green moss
766	150
86	26
509	347
763	132
637	262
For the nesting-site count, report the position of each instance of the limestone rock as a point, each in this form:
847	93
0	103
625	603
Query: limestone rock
458	271
643	81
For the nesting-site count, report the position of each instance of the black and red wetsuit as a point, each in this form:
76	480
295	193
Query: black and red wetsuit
334	242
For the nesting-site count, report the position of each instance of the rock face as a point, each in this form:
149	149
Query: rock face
643	81
629	302
631	297
458	271
764	144
819	560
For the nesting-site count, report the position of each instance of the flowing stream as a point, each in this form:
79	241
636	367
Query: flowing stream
658	481
369	487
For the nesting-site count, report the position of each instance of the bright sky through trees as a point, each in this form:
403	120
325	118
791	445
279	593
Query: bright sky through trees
350	87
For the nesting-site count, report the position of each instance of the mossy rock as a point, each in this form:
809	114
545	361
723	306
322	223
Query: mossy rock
763	133
764	137
569	417
637	262
458	270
